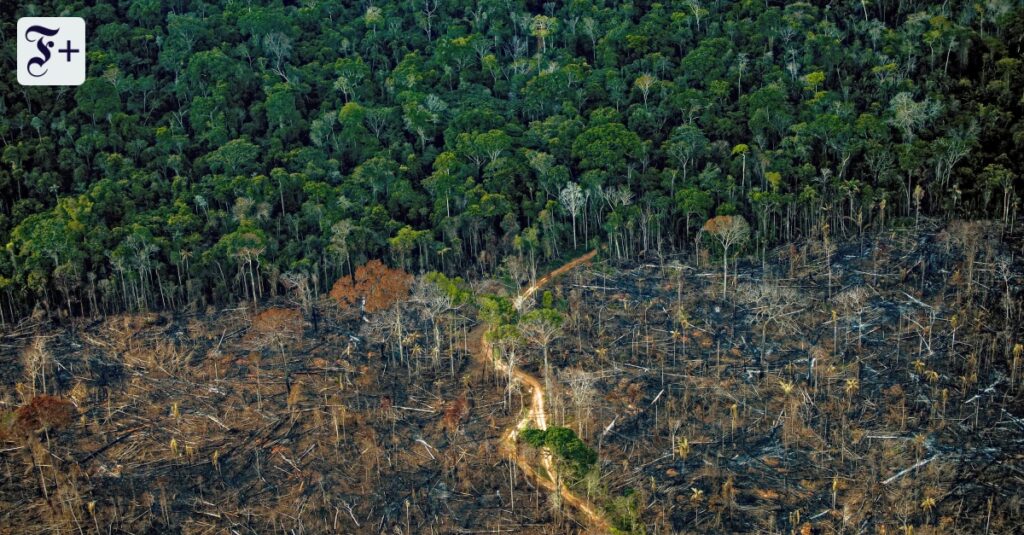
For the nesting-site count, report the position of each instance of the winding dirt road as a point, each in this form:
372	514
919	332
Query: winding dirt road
536	415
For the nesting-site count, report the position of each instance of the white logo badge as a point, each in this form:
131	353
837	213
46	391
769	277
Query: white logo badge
51	51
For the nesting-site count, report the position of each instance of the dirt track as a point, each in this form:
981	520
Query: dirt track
536	415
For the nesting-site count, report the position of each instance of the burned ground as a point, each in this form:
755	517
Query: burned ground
219	423
873	388
884	400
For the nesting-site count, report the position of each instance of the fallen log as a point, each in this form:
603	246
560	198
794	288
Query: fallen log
906	471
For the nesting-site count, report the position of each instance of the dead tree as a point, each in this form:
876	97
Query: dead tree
36	360
850	305
728	231
506	340
581	384
435	302
770	304
298	284
543	326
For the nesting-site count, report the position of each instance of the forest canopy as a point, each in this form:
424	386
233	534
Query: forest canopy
218	146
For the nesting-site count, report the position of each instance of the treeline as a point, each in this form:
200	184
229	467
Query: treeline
219	150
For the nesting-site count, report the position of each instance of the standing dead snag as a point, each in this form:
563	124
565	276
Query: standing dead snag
770	303
851	305
727	230
374	286
573	199
505	340
581	384
299	284
36	360
543	326
828	247
435	302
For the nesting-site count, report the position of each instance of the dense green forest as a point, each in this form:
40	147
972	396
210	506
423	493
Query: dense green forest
222	151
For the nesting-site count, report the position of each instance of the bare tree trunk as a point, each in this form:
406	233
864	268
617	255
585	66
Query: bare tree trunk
725	272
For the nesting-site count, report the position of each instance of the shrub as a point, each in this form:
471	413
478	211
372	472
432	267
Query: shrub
565	445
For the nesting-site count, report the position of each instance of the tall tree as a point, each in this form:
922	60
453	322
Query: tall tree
728	231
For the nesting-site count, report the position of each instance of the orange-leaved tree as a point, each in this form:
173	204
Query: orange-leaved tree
378	284
727	230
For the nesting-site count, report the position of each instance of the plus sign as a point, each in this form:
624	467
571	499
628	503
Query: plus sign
68	50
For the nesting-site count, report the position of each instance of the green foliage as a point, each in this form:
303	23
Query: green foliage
607	146
534	437
549	317
813	80
457	289
549	299
496	310
624	513
322	135
694	201
565	445
97	98
235	157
